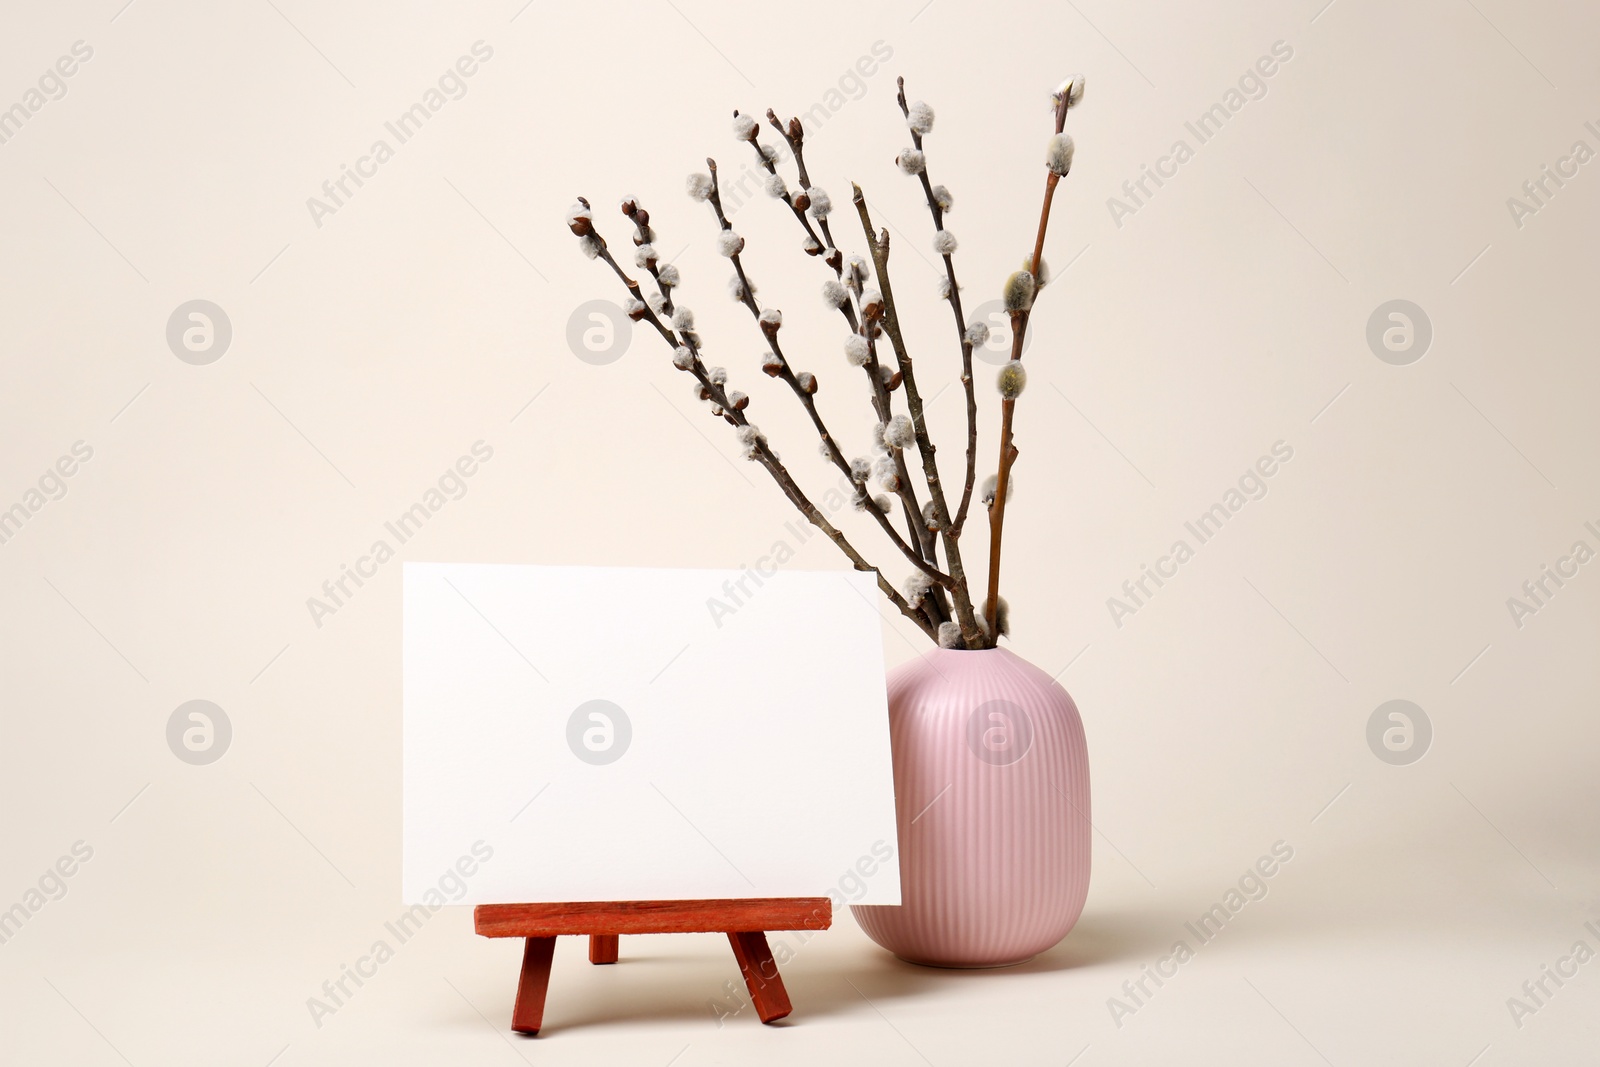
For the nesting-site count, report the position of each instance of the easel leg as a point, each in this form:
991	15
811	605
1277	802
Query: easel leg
761	975
602	948
528	1015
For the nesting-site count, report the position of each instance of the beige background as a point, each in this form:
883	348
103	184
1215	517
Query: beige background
427	313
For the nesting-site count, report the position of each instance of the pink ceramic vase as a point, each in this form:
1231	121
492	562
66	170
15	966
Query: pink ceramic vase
992	796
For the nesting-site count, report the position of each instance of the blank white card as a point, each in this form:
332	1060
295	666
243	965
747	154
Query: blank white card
605	733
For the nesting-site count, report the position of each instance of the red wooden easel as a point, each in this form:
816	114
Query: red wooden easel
744	921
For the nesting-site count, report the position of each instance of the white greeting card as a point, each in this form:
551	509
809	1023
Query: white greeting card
605	733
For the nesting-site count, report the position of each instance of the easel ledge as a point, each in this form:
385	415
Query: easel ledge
744	921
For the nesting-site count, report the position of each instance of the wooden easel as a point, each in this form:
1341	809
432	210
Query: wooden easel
603	922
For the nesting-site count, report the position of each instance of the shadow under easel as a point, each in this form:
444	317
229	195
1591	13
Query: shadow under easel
703	987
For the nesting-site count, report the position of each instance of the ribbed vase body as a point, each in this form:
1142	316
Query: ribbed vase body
992	796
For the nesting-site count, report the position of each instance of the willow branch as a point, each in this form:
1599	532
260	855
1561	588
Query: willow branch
961	329
759	450
971	634
798	203
794	136
807	400
1008	449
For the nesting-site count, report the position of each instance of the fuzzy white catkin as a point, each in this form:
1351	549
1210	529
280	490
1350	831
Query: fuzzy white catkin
729	243
775	187
682	319
633	308
590	246
930	517
772	317
1041	277
949	635
771	364
858	273
821	205
944	242
698	186
644	254
860	470
718	375
1072	86
856	351
737	399
667	275
899	433
942	197
986	492
576	212
977	333
807	380
916	587
1058	153
736	287
919	117
1018	291
1002	616
882	504
1011	380
944	288
912	161
682	357
811	245
768	153
833	293
657	302
744	127
887	474
751	438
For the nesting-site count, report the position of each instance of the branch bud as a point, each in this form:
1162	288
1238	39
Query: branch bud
950	635
1018	292
580	220
1058	153
1012	380
872	304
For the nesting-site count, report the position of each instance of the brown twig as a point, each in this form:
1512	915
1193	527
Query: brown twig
916	526
961	330
1008	449
971	634
760	451
787	374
